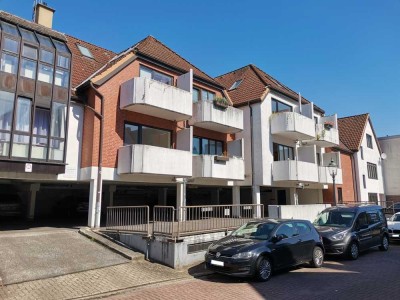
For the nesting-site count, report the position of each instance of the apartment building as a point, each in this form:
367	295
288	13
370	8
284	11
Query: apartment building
284	137
390	146
365	158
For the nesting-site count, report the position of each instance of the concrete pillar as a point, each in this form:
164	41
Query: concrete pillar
236	201
92	202
111	191
180	200
33	189
294	196
162	196
255	194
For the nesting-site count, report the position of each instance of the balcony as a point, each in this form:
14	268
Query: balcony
327	133
292	125
216	167
326	178
291	170
207	115
145	159
154	98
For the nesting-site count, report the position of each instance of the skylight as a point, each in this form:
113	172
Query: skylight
85	51
236	84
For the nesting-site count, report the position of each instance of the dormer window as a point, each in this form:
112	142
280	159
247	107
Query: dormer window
236	84
84	51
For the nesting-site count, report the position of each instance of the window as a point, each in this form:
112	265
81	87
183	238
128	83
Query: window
28	68
369	141
62	78
9	63
6	115
41	127
207	146
22	126
46	56
287	230
282	152
11	45
61	46
318	159
235	84
373	217
362	220
364	182
278	106
207	95
45	41
30	52
58	120
45	73
340	195
372	172
302	228
28	35
63	61
362	152
10	29
373	197
84	51
316	120
196	95
139	134
155	75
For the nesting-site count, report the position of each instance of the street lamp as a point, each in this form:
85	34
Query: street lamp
332	167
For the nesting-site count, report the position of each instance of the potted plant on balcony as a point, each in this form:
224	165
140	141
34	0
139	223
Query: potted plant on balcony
328	125
221	102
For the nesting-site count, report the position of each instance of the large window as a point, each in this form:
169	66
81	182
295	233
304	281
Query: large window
22	127
278	106
155	75
41	127
196	95
202	95
9	63
207	146
45	73
28	68
57	131
372	172
6	114
282	152
369	141
373	197
139	134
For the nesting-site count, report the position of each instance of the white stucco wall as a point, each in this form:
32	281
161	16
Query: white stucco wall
391	166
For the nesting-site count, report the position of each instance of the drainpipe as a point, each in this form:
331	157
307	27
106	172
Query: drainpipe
253	187
100	159
355	176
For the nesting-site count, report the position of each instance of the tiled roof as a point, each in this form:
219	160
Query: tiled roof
253	85
31	25
82	66
351	130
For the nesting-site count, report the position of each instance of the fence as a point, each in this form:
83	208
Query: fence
128	218
175	223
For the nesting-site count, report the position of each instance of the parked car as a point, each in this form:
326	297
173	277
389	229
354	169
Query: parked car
394	227
10	205
260	247
396	207
350	229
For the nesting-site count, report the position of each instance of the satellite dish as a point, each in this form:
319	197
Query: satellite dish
383	156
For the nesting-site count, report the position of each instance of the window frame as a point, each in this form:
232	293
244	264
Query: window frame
201	90
141	66
140	134
369	141
276	102
372	170
275	146
201	152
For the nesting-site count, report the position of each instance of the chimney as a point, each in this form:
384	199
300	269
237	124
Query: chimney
42	14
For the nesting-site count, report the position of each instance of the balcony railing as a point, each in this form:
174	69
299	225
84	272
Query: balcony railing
292	125
326	136
292	170
207	115
145	159
216	167
156	99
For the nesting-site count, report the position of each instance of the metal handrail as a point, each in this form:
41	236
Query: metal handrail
128	219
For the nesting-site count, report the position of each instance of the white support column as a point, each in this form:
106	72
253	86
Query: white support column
236	201
92	203
111	191
255	193
162	196
294	196
180	199
33	188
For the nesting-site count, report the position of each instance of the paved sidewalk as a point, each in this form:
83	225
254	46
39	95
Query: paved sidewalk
93	283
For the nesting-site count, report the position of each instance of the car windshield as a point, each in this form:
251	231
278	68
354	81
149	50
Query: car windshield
260	231
395	218
335	219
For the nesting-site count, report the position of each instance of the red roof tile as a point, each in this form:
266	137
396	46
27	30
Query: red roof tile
351	130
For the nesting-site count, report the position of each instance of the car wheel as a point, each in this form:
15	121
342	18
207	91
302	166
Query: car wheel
318	257
263	269
384	243
353	251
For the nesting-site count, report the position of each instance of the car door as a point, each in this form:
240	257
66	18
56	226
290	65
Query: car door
375	226
362	231
284	252
306	241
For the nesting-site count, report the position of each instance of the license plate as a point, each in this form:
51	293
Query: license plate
395	235
217	263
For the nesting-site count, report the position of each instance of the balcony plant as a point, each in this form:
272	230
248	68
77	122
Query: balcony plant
328	125
221	102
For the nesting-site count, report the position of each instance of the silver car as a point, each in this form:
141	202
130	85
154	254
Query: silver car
394	227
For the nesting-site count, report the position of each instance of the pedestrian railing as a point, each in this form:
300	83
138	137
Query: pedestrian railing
128	219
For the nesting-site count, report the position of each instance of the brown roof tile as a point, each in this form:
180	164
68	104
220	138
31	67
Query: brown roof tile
82	66
253	85
351	130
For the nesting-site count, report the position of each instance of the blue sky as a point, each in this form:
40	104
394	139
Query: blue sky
342	55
